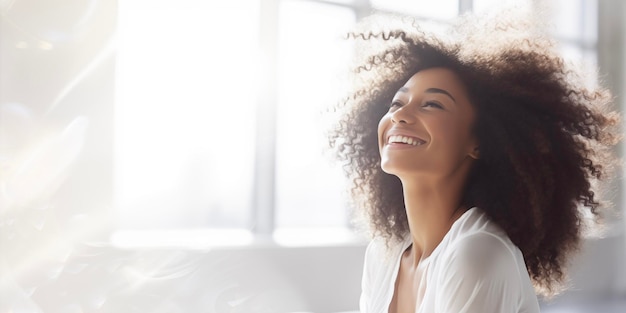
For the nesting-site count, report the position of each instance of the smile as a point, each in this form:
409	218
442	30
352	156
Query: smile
405	140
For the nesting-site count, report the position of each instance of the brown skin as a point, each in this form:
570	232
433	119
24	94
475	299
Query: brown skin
544	135
432	107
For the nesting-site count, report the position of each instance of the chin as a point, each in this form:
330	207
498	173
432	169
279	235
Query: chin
393	169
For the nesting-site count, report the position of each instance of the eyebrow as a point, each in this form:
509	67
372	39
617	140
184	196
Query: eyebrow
431	90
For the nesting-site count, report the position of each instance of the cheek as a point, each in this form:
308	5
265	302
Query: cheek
450	135
383	124
460	136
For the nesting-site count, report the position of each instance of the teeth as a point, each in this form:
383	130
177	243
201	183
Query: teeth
404	139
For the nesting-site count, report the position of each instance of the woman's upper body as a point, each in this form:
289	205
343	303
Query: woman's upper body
426	140
475	268
488	115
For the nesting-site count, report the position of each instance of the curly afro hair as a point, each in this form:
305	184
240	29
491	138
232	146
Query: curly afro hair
546	134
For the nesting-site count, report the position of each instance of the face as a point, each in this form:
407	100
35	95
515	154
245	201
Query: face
427	130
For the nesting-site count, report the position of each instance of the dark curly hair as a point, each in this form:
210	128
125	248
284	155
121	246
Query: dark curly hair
545	134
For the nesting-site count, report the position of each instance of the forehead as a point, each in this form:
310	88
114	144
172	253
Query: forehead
437	77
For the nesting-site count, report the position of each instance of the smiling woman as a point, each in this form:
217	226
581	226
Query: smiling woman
472	152
425	110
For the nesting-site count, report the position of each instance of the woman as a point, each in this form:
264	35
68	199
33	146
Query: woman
473	155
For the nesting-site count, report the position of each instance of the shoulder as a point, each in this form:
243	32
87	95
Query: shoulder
381	256
479	269
381	250
480	273
482	252
379	268
480	247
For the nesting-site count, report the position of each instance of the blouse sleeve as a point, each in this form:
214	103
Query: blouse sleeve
480	274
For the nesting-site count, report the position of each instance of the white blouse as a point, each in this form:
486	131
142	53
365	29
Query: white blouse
476	268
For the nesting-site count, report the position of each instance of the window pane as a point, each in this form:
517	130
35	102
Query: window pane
310	192
480	6
590	20
442	9
574	20
184	130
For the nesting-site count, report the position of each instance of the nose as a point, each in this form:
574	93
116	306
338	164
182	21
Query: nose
403	115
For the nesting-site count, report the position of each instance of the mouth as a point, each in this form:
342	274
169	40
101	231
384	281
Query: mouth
405	140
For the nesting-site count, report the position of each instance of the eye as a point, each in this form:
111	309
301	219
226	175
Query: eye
432	104
395	104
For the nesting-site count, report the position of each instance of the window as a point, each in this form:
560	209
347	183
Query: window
309	191
439	10
189	108
219	115
572	23
186	86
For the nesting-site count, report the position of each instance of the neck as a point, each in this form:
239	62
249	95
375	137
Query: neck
432	206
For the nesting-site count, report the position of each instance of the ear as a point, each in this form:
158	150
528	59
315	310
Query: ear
475	153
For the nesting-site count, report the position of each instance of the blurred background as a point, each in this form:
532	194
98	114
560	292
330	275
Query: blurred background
168	156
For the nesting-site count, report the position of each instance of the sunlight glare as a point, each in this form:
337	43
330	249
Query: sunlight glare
185	112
